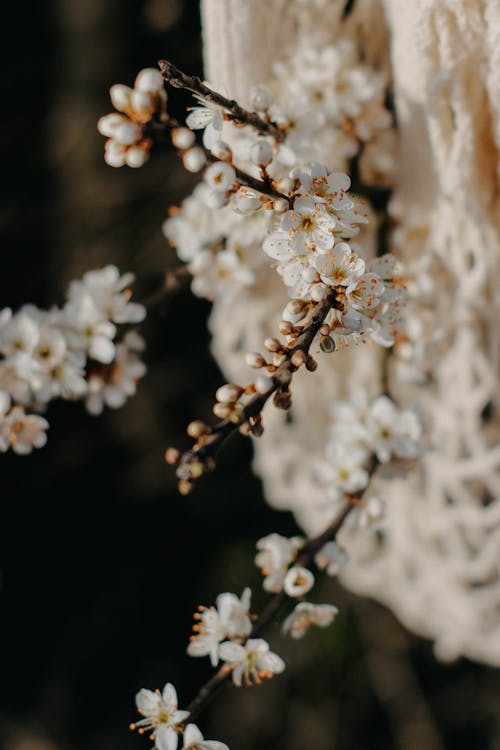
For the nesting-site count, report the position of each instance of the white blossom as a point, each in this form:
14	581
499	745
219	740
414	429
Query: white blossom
331	558
251	662
298	581
112	385
275	554
193	740
229	619
305	614
161	714
208	117
391	431
372	514
22	432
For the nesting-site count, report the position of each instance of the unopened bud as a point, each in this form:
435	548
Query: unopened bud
272	344
311	364
327	344
280	206
298	358
222	151
261	153
120	96
185	487
182	138
285	327
255	360
222	411
284	185
197	428
172	455
263	384
228	393
194	159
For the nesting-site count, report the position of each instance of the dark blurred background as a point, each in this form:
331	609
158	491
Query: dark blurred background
102	562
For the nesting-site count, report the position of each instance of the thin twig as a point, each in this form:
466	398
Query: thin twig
206	447
306	558
237	114
159	130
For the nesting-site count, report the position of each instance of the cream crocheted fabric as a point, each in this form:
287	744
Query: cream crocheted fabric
438	562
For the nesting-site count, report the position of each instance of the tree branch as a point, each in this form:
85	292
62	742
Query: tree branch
237	114
306	558
194	462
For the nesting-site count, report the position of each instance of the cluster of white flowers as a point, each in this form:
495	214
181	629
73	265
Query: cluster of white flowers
221	632
71	353
333	103
360	431
128	143
167	723
221	248
276	557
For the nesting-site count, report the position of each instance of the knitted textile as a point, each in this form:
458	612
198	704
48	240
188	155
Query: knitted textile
437	563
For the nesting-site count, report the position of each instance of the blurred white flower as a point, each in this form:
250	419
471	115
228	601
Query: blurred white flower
305	614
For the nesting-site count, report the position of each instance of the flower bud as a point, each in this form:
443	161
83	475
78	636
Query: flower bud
149	80
182	138
284	185
254	359
261	153
327	344
194	159
228	393
272	344
136	157
222	411
114	154
298	358
120	96
108	124
222	151
318	292
280	206
263	384
220	176
127	133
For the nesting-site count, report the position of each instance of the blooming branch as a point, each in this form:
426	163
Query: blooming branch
247	418
234	112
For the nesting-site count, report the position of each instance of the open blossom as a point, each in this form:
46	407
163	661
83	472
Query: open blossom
251	662
372	514
88	330
161	715
341	470
193	740
393	432
305	614
340	266
309	226
275	554
219	275
20	431
111	385
68	353
110	294
331	558
298	581
208	117
229	619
